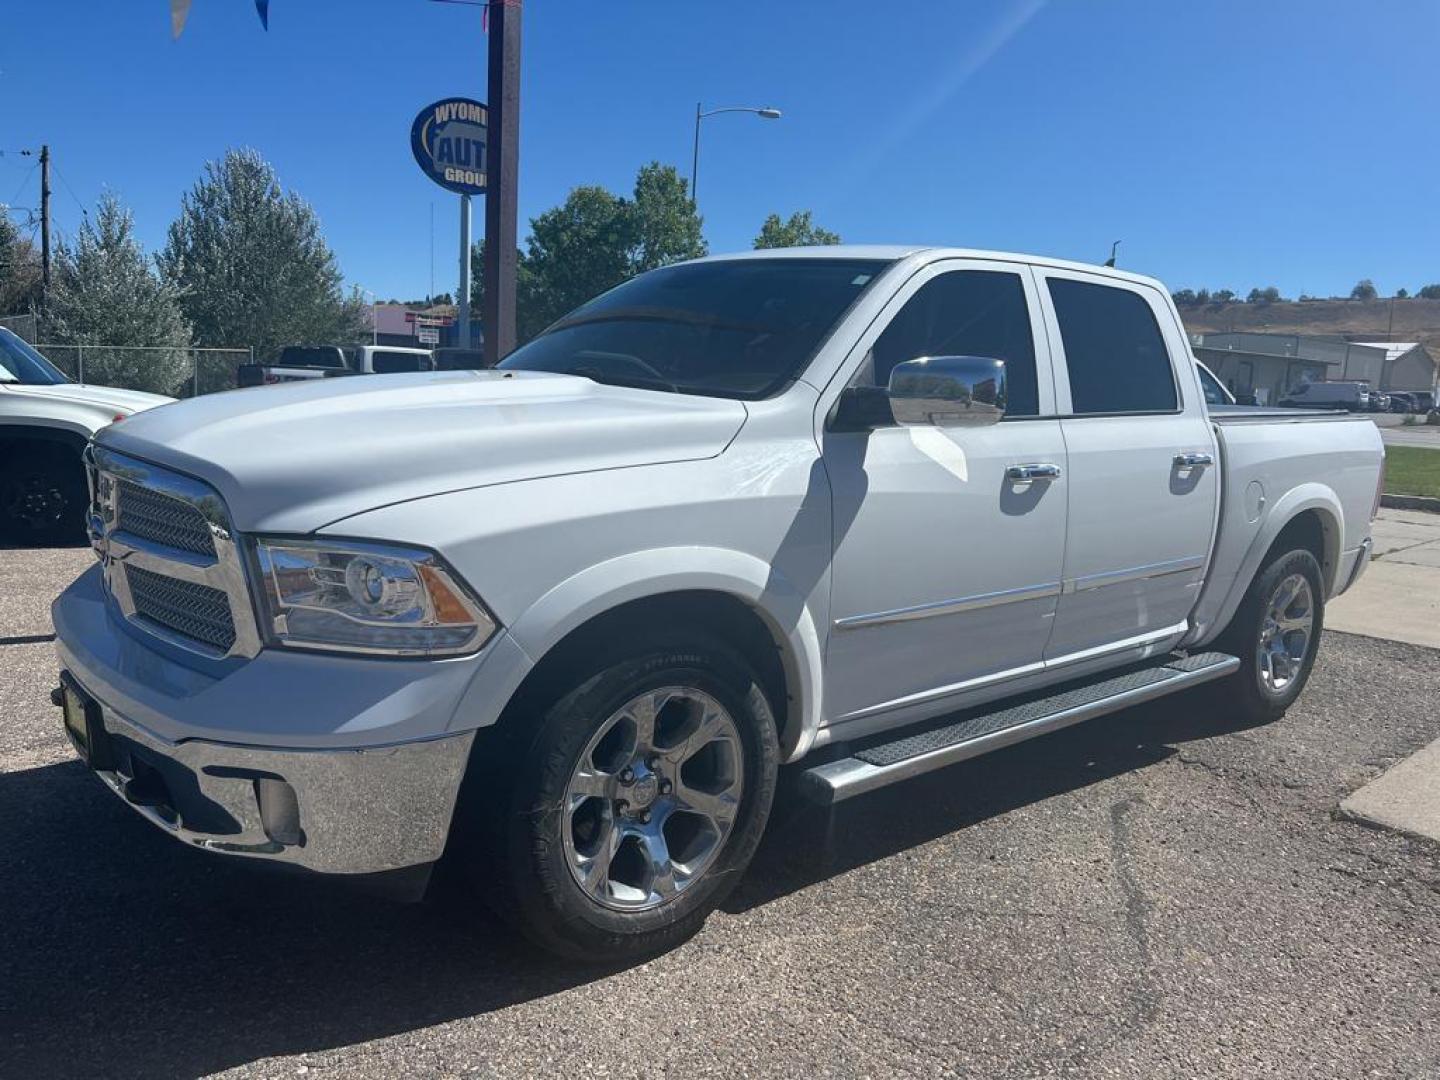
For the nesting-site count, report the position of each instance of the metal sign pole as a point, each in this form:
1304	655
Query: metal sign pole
498	320
462	302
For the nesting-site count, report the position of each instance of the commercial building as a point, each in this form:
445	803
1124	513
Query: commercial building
1267	366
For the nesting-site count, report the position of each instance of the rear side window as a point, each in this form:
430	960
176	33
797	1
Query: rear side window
1113	349
965	313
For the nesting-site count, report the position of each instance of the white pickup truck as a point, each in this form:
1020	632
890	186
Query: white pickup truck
45	423
856	511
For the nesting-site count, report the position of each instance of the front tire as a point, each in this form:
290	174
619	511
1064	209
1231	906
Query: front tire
1276	634
638	801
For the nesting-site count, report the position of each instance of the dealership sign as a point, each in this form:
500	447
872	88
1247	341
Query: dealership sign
449	140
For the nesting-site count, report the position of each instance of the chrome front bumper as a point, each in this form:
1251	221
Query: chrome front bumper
334	811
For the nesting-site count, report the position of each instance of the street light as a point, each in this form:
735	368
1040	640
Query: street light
765	112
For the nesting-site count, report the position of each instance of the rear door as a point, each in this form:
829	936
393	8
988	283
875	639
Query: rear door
1143	480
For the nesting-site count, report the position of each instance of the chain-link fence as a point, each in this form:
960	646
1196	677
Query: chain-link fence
27	326
158	370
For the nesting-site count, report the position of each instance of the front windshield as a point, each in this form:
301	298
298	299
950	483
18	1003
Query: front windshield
738	328
19	363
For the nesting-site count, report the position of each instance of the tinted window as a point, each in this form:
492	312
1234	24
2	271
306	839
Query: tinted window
1113	348
328	356
387	363
964	313
1214	393
738	328
19	363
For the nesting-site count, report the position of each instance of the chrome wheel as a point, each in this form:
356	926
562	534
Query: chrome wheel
1285	633
653	797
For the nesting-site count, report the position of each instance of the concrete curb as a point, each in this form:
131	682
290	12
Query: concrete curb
1411	502
1404	799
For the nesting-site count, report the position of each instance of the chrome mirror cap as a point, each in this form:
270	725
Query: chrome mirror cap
948	391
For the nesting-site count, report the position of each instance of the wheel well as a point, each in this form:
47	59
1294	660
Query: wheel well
727	617
43	440
1314	532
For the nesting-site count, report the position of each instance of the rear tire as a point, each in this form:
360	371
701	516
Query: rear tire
43	496
1276	633
635	802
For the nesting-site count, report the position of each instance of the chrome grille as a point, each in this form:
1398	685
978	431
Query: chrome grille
184	607
172	565
161	519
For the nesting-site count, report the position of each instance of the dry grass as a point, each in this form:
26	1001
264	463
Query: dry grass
1355	320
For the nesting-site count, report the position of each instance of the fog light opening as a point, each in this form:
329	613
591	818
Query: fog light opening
279	811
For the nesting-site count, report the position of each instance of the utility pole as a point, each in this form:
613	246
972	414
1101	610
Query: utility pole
44	227
503	170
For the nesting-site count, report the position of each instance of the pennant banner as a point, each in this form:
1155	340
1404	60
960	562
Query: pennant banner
179	10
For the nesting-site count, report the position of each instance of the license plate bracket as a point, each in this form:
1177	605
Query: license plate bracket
82	720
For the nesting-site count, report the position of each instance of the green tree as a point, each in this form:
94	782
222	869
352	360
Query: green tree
104	292
1429	292
592	242
799	231
1402	294
1268	295
253	266
667	227
19	270
1222	296
1184	297
1364	290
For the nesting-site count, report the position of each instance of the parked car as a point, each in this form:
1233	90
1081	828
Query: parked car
300	362
1424	400
45	422
1378	401
1401	401
1350	396
858	511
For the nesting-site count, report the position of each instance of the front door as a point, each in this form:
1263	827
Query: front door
946	572
1143	466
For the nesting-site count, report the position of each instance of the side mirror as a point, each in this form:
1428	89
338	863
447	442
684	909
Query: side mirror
948	391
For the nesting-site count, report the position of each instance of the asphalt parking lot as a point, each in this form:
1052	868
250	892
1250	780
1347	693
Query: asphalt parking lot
1161	893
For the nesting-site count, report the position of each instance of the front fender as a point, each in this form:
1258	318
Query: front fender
641	574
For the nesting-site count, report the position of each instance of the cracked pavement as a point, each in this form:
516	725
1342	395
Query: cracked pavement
1161	893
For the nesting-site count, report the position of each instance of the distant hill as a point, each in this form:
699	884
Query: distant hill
1353	320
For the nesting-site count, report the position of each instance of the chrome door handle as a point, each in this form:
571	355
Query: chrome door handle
1193	461
1028	474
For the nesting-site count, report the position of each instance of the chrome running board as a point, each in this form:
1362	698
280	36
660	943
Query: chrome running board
975	734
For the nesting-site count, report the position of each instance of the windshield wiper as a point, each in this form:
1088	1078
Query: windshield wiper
669	315
639	382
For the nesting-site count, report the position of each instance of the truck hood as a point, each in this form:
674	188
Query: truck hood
298	456
102	397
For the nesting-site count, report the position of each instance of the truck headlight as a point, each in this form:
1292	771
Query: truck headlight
366	597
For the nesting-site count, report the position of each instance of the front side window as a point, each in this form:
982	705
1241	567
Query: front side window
737	328
1115	354
964	313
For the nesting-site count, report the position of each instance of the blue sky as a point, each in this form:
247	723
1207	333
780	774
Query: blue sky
1229	144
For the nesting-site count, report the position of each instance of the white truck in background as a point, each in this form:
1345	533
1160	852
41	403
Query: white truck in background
299	362
45	423
859	512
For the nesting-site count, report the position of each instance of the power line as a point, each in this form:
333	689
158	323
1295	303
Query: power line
24	182
83	212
